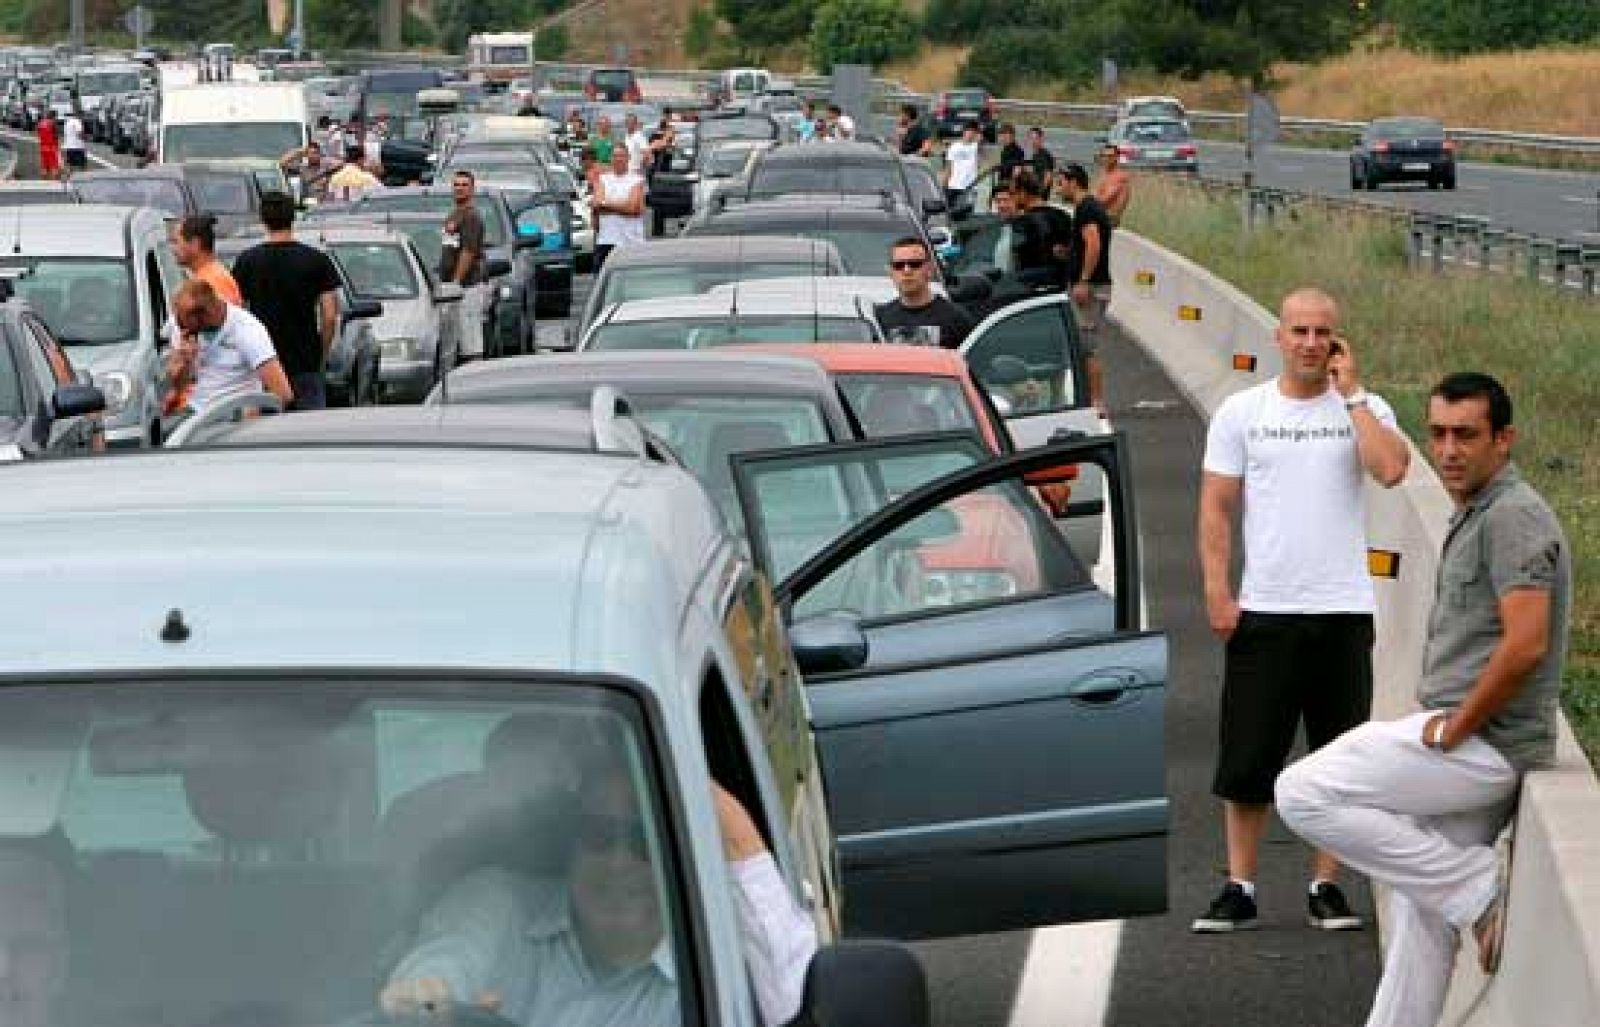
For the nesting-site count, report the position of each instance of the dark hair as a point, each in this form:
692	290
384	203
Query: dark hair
323	121
1007	126
909	110
909	240
1464	385
277	211
456	173
834	108
201	228
1035	129
1026	183
1076	173
1001	185
354	152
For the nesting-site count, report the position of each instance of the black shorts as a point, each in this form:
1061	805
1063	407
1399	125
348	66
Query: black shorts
76	158
1281	668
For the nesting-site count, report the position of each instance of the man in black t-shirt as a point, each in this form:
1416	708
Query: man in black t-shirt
293	290
1011	155
1041	160
1088	267
1041	237
915	139
461	243
919	315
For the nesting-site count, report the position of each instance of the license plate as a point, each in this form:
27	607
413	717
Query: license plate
1158	154
967	114
1416	166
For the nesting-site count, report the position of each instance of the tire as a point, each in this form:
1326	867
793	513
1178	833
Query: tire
1373	181
1450	181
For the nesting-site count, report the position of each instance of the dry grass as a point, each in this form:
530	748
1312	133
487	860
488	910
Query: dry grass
1410	327
651	30
931	70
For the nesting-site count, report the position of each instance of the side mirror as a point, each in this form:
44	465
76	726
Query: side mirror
530	234
864	983
77	400
828	644
496	267
359	309
448	292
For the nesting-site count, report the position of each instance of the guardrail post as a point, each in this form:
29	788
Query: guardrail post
1414	239
1591	268
1536	251
1439	225
1469	227
1568	254
1488	240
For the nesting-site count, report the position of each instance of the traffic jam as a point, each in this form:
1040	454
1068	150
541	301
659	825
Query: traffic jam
488	549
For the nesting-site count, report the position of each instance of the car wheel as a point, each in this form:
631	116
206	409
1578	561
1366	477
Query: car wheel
1450	180
1372	180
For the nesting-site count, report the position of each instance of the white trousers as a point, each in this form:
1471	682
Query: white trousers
1420	821
471	308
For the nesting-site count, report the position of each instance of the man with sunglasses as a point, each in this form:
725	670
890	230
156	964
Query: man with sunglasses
919	314
593	948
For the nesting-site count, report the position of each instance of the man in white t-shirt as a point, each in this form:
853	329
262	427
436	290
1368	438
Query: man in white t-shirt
74	147
225	350
618	204
961	166
637	142
1296	451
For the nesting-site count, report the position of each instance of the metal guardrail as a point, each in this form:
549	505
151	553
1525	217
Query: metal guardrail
1442	243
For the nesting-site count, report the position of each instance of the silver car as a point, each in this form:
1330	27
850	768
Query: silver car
730	315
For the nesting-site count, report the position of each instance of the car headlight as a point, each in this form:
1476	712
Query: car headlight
118	389
957	588
400	349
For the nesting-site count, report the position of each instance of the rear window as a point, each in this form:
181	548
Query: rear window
847	179
163	194
709	334
1156	109
1408	128
863	245
613	79
966	98
644	282
906	404
494	225
1157	132
376	271
222	194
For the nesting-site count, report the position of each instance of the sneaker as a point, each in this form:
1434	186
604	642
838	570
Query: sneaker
1231	910
1330	911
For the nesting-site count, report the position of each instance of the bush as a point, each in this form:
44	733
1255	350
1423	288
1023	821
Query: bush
700	31
552	43
861	32
1469	26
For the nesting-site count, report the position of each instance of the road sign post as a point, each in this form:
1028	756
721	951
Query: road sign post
1260	131
139	20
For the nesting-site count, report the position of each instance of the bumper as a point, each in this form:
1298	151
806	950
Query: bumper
128	436
406	381
1419	169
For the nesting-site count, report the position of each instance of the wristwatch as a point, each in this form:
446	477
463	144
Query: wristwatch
1357	398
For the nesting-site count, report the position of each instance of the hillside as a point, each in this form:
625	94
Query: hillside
650	30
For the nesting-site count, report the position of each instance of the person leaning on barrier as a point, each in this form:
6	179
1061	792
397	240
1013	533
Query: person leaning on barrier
1416	803
222	351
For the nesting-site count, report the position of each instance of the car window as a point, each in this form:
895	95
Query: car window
969	99
817	177
1407	128
736	128
863	248
377	271
153	818
726	161
60	367
644	281
12	403
1158	132
494	226
221	194
258	140
1025	361
906	404
1156	109
83	301
163	194
612	79
698	333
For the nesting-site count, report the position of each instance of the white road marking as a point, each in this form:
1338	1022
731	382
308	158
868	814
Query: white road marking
1582	199
1066	981
1590	235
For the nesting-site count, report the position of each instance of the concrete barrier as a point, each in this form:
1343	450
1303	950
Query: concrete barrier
1214	340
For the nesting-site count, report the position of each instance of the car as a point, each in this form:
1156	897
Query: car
231	190
101	277
736	87
45	409
1161	107
730	315
683	267
131	129
27	192
1403	149
613	85
862	228
680	188
1157	144
956	108
510	262
542	217
840	168
724	164
353	372
417	332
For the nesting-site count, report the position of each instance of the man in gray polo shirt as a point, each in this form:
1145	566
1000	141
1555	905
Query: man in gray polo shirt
1416	803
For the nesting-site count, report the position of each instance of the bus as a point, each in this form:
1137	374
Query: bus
499	57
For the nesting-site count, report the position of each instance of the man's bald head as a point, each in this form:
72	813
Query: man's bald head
196	305
1309	298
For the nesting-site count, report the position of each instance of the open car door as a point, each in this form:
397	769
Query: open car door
987	705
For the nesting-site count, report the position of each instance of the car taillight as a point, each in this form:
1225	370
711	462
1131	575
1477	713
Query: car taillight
1449	146
1380	147
1186	150
1124	150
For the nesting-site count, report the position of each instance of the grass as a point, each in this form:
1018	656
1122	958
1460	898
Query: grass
1409	328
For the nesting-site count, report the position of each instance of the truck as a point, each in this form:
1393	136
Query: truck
231	121
496	58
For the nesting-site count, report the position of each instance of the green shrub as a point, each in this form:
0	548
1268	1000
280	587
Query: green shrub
861	32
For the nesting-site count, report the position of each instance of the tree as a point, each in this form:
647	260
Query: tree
767	23
861	32
1469	26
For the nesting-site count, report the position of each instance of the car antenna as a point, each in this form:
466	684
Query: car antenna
816	314
16	239
738	281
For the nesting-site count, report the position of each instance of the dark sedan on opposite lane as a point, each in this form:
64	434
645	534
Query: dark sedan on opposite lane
1403	150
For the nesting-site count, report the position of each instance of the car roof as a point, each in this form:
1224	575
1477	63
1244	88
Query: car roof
717	249
401	558
727	302
35	185
873	358
815	208
71	229
739	371
834	154
481	426
175	172
874	288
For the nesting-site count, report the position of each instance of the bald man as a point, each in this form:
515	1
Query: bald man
222	349
1295	453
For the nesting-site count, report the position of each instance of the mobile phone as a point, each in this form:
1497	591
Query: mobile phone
1336	347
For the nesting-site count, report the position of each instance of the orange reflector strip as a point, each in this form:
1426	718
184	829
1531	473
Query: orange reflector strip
1188	313
1244	361
1144	278
1383	563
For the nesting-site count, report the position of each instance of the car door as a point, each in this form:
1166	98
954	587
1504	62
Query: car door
986	701
48	369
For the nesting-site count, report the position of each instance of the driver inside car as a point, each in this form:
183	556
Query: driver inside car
590	949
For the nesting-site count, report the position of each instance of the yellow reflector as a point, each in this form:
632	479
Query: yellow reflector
1244	361
1145	279
1383	563
1188	313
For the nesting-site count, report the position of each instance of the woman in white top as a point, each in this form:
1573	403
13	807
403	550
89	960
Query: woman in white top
621	199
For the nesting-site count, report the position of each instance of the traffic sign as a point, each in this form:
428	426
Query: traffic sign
139	20
1262	120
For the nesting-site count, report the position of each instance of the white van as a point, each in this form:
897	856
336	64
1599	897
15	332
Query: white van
232	121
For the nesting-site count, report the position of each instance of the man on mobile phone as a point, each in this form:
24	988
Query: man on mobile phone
1294	454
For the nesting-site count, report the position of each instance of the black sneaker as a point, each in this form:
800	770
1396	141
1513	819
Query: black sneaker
1231	910
1330	911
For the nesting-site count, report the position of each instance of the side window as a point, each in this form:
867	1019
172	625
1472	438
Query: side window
726	753
159	309
1026	361
40	368
60	366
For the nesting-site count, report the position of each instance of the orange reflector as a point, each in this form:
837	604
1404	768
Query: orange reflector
1383	563
1144	278
1188	313
1244	361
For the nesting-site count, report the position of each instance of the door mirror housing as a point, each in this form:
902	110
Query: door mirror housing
361	309
77	400
865	982
828	644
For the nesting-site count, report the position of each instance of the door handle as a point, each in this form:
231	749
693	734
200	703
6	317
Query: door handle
1102	687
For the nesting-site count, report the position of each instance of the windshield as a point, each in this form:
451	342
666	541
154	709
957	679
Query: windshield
706	333
403	104
864	249
87	301
508	55
906	404
971	99
726	161
241	852
1157	132
164	194
376	271
1156	109
817	177
649	281
222	194
494	233
104	82
612	80
263	140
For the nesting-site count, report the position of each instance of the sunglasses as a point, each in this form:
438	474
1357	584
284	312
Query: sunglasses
598	833
907	265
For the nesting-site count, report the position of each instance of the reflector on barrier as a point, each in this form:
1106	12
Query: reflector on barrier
1383	563
1188	313
1144	278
